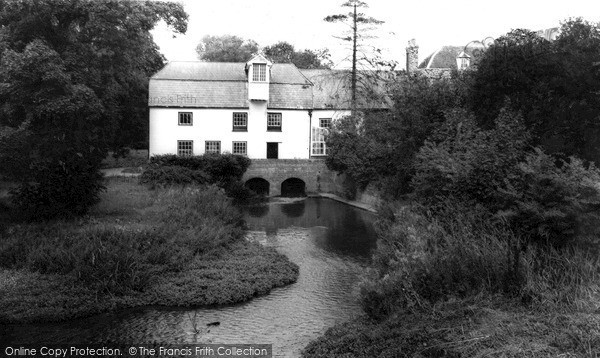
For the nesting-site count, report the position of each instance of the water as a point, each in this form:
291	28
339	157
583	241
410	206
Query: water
330	241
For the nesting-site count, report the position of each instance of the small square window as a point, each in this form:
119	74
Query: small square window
212	147
259	72
186	118
274	122
325	122
240	148
185	148
240	121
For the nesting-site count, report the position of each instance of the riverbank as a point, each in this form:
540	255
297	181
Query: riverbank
42	284
476	327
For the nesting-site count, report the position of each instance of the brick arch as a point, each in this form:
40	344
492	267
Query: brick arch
293	186
259	185
313	172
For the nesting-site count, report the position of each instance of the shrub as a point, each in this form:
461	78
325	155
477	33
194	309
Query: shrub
540	197
59	188
547	198
224	170
163	176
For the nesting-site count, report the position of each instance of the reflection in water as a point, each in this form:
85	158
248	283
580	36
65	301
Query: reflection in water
257	211
331	242
294	210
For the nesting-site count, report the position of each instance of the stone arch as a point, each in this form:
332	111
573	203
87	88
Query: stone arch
258	185
293	187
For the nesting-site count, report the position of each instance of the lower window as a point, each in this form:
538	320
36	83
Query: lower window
212	147
239	148
185	148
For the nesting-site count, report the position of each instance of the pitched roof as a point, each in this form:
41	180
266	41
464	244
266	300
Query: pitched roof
224	85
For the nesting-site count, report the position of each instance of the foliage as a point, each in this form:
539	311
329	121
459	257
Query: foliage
540	197
380	147
224	170
421	260
74	83
553	84
548	198
226	48
463	162
117	259
100	263
284	52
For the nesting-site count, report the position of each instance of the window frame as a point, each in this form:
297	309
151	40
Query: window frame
206	147
245	143
238	128
327	120
261	74
180	150
181	115
274	128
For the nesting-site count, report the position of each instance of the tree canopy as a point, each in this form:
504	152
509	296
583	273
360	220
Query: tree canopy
73	83
230	48
226	48
555	86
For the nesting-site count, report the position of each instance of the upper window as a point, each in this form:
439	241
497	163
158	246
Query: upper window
325	122
212	147
240	122
259	72
186	119
240	148
185	148
274	122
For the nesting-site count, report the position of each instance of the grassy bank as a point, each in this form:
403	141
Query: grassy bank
177	247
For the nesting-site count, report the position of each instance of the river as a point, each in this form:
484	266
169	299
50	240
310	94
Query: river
330	241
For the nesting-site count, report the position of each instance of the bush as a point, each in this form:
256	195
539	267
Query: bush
547	198
163	176
540	197
59	188
224	170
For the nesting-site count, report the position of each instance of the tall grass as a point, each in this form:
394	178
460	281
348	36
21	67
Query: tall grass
422	260
117	256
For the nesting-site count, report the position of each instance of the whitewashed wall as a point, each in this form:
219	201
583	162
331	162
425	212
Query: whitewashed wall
217	124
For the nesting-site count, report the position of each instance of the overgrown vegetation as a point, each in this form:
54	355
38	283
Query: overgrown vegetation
135	249
501	226
223	170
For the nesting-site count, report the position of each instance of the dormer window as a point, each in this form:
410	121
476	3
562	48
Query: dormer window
259	72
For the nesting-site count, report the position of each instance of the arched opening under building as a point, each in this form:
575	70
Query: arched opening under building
258	185
293	187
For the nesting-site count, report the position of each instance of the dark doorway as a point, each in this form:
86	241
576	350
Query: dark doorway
293	187
258	185
272	150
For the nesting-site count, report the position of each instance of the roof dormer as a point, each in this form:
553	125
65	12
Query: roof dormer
259	73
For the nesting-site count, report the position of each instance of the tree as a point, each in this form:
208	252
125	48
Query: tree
380	148
360	25
74	79
555	86
284	52
226	48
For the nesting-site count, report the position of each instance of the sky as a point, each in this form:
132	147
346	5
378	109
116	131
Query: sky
432	23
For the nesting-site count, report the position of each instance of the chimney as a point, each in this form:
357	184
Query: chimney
412	56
